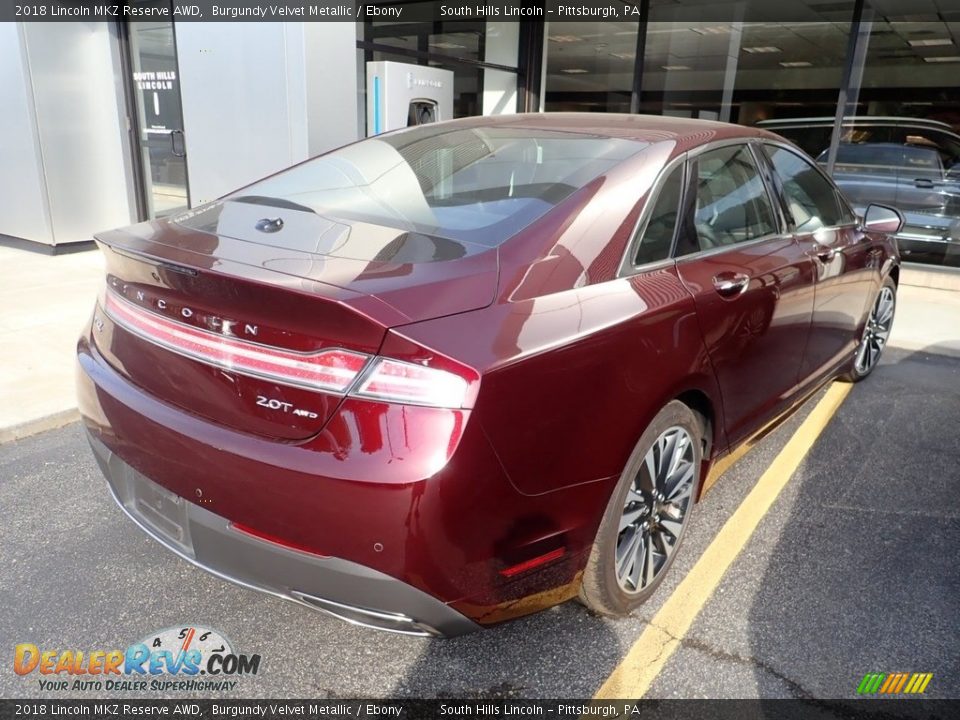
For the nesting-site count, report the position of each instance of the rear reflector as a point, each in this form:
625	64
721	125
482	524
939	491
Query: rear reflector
329	370
533	562
273	539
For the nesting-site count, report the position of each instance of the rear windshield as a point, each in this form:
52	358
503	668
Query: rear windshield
479	185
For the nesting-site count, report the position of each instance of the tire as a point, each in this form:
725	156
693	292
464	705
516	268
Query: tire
876	332
609	590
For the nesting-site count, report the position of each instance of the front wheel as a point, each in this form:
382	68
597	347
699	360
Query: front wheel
647	514
876	333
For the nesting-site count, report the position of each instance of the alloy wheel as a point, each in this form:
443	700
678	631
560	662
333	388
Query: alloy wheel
655	510
876	332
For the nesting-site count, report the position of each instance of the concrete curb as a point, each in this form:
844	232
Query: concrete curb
930	276
32	427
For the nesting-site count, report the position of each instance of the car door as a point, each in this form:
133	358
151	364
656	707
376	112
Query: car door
752	285
928	179
846	267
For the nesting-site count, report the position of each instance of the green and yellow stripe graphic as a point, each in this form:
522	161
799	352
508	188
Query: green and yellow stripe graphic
893	683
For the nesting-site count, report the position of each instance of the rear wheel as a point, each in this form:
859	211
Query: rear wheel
646	517
876	332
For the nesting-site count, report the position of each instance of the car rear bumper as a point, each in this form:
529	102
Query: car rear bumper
347	590
377	520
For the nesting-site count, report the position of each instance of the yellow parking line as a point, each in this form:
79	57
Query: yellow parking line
661	638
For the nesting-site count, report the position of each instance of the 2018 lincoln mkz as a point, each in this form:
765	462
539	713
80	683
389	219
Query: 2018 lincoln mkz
455	374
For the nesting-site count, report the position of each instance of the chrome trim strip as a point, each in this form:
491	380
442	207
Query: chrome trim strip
938	239
417	628
855	120
734	246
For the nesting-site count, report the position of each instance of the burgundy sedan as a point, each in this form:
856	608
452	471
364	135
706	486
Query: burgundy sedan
455	374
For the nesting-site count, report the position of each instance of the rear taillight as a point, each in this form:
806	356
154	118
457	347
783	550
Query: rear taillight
396	381
335	370
329	370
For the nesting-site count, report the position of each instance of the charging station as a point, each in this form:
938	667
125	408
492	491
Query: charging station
402	95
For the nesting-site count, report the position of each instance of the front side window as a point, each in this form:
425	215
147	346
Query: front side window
811	199
732	205
658	234
478	185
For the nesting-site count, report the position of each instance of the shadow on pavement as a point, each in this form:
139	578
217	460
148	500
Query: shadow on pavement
574	651
863	576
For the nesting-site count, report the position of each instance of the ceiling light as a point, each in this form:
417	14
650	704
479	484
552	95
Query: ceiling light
575	71
564	38
762	49
930	42
943	58
675	67
796	64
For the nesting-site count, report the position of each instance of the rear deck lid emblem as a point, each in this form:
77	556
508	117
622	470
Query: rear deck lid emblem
269	225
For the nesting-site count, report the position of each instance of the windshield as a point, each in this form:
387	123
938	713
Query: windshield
478	185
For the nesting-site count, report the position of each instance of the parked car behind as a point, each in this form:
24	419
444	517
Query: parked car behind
910	164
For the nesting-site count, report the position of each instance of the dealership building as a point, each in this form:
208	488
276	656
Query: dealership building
110	122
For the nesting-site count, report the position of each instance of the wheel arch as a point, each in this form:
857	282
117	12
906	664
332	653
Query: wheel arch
698	401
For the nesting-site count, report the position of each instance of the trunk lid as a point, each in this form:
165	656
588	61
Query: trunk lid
311	285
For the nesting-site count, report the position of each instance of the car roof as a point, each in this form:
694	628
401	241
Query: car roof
686	132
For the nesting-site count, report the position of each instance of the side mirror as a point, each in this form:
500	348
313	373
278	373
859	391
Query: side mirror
882	219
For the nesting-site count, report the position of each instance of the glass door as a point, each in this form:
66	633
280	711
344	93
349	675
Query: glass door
156	89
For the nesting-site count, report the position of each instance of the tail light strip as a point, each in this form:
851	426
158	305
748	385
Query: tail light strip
334	370
328	370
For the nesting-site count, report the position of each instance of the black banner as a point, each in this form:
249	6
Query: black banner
408	10
112	709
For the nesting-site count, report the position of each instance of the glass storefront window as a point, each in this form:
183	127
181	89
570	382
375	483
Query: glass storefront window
590	66
744	71
904	117
457	39
898	143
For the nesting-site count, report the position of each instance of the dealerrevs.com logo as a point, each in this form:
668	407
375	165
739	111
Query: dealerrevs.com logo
188	658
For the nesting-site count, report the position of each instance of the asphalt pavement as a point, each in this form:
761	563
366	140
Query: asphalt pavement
853	570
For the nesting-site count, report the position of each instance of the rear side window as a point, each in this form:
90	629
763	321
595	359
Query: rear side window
810	197
479	185
732	204
658	234
883	157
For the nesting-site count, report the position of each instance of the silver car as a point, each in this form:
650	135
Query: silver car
910	164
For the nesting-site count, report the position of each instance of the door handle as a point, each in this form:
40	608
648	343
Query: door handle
823	253
730	284
173	144
923	183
